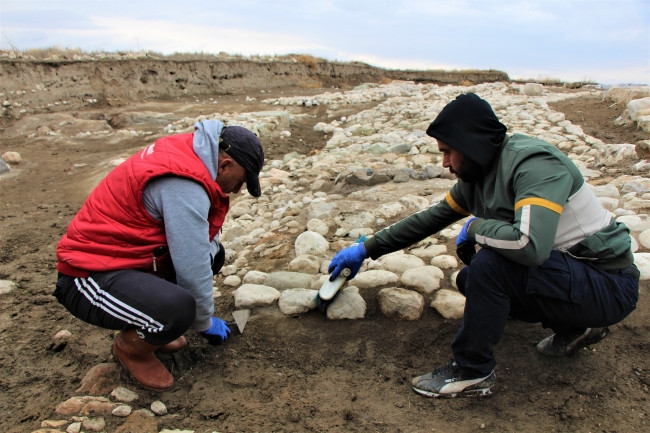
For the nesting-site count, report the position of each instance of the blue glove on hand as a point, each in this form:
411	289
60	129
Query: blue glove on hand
218	332
351	257
463	236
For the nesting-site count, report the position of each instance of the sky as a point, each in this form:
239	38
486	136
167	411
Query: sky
601	41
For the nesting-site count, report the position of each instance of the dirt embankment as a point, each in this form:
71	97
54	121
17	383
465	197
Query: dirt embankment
32	86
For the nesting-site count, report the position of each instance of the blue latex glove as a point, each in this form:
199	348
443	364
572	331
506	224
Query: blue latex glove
218	332
351	257
463	236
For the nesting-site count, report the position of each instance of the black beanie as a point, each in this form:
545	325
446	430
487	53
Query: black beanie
469	125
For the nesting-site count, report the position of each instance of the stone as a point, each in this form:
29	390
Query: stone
6	286
12	157
399	262
288	280
450	304
124	395
425	279
644	238
94	424
374	278
642	261
311	243
255	295
101	379
402	304
158	407
318	226
348	304
297	301
122	411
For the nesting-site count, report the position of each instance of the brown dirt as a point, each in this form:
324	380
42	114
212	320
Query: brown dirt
294	374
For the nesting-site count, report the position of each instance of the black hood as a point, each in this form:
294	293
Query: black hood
469	125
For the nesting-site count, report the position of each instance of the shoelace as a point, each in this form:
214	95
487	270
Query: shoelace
445	368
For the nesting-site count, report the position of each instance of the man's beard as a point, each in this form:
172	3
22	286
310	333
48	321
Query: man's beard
469	171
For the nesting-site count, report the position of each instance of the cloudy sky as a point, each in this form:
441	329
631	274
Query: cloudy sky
605	41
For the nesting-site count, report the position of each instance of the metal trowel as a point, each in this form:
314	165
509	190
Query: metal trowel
241	318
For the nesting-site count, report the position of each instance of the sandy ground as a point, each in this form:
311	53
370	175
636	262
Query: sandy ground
292	374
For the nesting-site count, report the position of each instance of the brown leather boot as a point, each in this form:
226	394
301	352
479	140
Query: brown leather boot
137	357
174	346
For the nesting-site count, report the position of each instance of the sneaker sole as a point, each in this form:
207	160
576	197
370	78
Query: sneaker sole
588	340
484	392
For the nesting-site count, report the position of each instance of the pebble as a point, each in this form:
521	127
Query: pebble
158	407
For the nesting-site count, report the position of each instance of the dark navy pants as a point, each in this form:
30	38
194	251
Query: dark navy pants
564	294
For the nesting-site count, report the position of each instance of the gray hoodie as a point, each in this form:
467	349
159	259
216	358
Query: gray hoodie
183	205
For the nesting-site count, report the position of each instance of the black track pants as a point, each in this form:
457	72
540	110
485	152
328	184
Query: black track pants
160	310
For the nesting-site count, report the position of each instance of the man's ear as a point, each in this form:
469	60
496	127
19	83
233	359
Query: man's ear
224	162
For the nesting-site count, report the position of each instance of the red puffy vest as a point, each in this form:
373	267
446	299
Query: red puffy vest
113	230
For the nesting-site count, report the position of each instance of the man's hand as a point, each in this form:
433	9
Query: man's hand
218	332
464	236
351	257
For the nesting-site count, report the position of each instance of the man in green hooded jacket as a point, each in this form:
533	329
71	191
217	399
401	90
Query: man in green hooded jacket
549	252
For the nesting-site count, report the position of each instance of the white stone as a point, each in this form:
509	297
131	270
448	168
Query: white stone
348	304
398	262
609	203
122	410
401	303
255	295
297	301
391	210
6	286
306	264
635	223
374	278
425	279
533	89
232	281
637	204
642	261
282	280
452	279
74	427
254	277
644	239
444	261
638	185
638	107
228	270
450	304
310	242
124	395
12	157
428	253
158	407
318	226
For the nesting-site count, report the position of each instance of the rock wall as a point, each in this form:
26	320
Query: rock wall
62	85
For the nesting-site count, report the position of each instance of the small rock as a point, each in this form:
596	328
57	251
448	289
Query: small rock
6	286
122	411
124	395
450	304
94	424
12	157
100	379
159	408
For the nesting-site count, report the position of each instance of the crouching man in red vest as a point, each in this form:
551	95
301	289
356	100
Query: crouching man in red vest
140	254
